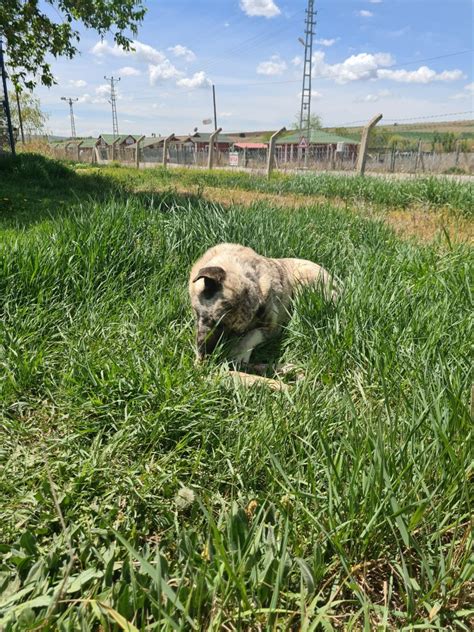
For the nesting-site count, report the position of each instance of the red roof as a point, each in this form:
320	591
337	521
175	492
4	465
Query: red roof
251	145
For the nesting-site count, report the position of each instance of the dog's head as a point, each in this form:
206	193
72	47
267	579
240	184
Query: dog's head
224	302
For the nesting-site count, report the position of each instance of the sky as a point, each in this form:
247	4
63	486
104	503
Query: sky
406	59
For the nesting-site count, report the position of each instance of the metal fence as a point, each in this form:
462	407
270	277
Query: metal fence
391	160
384	160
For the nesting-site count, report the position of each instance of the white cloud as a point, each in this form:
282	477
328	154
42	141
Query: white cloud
314	95
198	80
225	114
103	90
399	32
375	1
467	94
274	66
297	61
141	52
163	71
182	51
359	67
422	75
101	95
365	14
129	71
264	8
77	83
372	66
374	97
327	42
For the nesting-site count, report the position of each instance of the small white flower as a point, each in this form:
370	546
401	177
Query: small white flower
184	498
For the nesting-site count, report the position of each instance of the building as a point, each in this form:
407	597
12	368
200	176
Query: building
122	140
320	145
201	141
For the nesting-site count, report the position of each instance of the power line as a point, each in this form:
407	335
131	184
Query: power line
410	118
71	101
251	43
417	61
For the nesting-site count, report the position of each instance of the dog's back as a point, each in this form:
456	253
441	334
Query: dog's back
303	272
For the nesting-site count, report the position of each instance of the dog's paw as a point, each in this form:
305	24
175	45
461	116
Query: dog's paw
290	369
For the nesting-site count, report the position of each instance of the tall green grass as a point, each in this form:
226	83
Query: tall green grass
427	191
189	503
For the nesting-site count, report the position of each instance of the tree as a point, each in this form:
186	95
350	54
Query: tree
33	118
31	34
314	122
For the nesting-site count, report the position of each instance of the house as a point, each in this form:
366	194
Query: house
201	140
119	147
250	153
151	147
86	149
320	145
120	140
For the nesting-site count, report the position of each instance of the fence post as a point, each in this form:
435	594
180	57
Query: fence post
137	152
210	158
113	147
458	151
165	149
419	157
271	151
392	158
364	143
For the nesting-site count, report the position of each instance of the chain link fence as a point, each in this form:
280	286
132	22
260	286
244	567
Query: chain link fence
315	158
392	160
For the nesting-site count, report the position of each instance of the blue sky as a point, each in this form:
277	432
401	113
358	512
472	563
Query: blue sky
404	58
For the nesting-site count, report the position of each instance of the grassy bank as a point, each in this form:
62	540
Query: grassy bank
429	192
183	502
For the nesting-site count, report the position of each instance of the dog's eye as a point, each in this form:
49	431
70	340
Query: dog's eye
210	288
260	311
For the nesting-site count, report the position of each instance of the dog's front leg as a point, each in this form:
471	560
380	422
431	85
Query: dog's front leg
243	349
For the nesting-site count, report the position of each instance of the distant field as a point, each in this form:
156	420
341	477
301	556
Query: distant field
143	492
424	131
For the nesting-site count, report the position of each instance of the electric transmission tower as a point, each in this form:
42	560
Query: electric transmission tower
113	103
71	112
305	114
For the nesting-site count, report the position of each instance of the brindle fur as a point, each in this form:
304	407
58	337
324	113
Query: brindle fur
236	292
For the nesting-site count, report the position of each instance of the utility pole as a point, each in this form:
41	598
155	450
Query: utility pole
113	103
305	114
71	112
5	103
20	118
214	103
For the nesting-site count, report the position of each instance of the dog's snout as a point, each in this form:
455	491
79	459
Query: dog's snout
208	336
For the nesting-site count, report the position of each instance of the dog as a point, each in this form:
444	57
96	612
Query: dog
237	293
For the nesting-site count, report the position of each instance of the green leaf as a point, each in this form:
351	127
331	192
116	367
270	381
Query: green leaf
76	583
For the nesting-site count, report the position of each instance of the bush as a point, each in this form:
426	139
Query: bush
35	167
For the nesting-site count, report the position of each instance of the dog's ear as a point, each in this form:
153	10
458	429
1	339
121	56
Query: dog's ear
213	277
